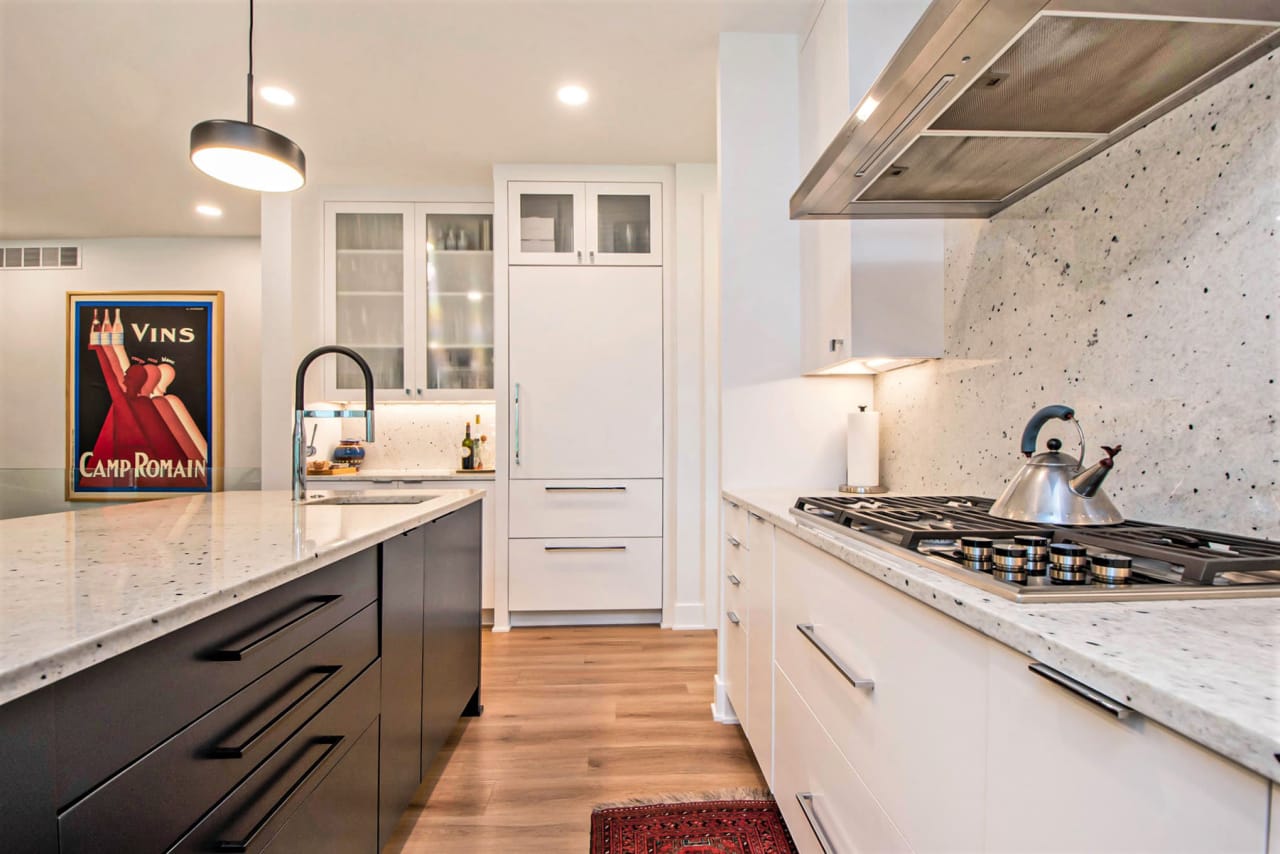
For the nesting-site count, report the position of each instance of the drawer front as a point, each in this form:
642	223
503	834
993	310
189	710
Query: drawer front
735	558
586	575
807	763
735	667
735	523
736	598
112	713
338	816
928	778
259	807
199	765
586	508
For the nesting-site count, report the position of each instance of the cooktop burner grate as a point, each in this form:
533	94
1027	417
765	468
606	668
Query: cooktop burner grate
922	523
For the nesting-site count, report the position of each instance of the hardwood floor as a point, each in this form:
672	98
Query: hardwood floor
574	717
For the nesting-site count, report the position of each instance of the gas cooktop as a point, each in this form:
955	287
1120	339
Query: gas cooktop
1029	562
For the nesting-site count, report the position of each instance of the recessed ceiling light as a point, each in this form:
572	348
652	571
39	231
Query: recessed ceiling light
868	107
574	96
276	95
209	210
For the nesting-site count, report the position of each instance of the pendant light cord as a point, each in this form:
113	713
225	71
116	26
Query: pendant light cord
250	80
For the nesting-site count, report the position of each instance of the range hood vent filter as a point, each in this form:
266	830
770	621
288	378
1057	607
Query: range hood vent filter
1091	75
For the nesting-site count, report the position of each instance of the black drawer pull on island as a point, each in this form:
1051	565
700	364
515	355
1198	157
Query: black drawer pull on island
320	747
274	628
275	711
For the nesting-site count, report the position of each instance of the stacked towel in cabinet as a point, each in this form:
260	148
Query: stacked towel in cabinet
538	234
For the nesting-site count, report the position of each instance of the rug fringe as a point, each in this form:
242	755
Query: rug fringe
739	794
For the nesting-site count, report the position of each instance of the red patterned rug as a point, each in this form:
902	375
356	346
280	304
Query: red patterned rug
701	827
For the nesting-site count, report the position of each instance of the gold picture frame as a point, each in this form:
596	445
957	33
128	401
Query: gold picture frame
144	398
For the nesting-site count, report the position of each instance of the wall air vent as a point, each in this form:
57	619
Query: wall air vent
39	258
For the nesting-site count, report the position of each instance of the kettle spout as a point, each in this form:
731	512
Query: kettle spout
1087	483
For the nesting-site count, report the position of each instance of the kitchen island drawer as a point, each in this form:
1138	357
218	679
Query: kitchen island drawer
827	806
197	767
871	663
736	644
586	508
112	713
257	809
586	574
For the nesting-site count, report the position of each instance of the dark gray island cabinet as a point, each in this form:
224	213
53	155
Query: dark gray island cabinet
299	720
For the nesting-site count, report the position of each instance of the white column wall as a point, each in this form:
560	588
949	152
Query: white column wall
778	429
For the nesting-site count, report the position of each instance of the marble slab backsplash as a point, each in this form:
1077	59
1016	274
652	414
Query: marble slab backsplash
1142	289
411	436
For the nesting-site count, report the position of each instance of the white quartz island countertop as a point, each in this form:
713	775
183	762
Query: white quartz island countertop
1208	669
80	587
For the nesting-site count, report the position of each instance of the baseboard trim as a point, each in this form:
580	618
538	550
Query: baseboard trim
721	709
586	618
690	615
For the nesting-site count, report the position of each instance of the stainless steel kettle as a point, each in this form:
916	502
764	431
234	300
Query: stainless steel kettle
1054	488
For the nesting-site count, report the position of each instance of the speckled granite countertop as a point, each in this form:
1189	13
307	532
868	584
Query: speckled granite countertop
80	587
1209	669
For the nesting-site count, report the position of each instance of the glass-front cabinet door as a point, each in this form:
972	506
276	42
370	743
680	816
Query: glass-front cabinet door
624	224
369	297
455	276
546	223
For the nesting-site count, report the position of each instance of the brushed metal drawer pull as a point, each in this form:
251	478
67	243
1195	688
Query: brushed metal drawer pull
273	628
1081	690
585	488
755	516
584	548
733	618
856	681
313	684
735	542
806	804
329	743
734	580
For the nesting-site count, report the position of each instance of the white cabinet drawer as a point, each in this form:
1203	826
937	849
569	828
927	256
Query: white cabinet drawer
585	574
1148	789
586	508
735	523
735	663
926	771
807	764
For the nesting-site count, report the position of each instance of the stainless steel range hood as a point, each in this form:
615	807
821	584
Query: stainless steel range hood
989	100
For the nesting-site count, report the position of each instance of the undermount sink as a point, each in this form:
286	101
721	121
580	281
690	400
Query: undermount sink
372	499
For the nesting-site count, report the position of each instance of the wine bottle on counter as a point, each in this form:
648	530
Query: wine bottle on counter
477	447
468	450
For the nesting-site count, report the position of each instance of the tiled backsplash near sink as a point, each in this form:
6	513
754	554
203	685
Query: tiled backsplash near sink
1143	289
417	436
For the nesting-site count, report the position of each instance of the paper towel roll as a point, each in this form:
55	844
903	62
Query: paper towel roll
864	448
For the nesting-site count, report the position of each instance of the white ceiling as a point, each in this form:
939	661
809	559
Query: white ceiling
97	96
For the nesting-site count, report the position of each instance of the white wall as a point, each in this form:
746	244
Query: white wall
777	428
33	349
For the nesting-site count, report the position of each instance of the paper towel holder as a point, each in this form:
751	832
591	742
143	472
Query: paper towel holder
858	489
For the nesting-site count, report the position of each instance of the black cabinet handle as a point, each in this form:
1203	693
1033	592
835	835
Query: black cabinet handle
1081	690
310	682
326	744
274	627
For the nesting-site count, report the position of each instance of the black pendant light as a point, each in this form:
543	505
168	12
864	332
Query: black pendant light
245	154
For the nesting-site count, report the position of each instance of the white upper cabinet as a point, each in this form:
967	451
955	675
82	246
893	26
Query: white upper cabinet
369	290
410	287
571	223
872	290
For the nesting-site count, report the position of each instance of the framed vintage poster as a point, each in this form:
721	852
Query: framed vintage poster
144	394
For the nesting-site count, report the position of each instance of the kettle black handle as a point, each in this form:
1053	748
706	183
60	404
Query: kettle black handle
1031	433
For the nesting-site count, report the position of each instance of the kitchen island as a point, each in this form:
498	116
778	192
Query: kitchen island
946	704
187	655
